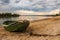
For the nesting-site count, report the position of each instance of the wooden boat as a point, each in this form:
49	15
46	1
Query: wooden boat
8	22
17	26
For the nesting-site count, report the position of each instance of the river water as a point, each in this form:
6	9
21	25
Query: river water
30	18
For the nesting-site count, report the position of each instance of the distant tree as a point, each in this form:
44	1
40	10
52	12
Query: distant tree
57	14
8	15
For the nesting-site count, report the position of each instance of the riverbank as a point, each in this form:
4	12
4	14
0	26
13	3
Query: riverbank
46	29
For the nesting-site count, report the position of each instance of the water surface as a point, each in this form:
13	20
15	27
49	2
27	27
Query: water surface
30	18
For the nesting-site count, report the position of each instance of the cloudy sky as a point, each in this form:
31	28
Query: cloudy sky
33	5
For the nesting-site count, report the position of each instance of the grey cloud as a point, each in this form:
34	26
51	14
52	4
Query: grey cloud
47	5
17	1
4	2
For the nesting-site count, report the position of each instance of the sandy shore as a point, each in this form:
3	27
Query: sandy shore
47	29
50	26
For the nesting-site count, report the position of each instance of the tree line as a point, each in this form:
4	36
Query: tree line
8	15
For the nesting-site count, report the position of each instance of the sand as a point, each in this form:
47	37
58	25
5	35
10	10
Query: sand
49	26
46	29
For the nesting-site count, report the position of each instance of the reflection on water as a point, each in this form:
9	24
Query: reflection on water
5	19
30	18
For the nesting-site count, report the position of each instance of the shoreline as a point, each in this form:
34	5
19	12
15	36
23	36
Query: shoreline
42	19
40	28
45	19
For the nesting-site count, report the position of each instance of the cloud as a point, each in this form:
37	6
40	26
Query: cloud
4	2
24	12
33	5
40	5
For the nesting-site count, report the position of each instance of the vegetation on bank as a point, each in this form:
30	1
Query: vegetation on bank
7	15
58	14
